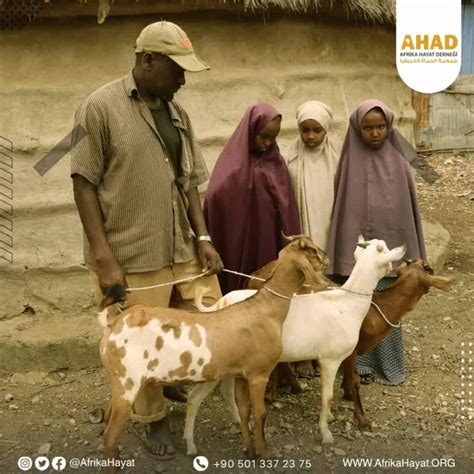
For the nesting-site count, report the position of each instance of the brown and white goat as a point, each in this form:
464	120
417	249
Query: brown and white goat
413	281
172	346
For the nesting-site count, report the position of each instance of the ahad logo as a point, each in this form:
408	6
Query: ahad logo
428	43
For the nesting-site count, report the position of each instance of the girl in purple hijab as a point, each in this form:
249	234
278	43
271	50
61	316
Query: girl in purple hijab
250	200
374	196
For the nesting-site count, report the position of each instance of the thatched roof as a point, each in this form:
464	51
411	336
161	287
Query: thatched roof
16	14
378	11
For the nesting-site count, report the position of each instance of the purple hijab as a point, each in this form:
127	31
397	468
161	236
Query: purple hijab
374	196
249	200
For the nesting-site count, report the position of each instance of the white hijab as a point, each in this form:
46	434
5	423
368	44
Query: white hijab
312	173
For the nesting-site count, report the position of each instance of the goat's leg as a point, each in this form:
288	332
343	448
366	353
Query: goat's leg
272	385
351	384
290	377
243	405
359	414
328	375
119	413
107	414
228	394
257	399
350	377
195	397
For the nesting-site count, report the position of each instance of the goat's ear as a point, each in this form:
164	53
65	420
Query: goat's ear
440	282
303	265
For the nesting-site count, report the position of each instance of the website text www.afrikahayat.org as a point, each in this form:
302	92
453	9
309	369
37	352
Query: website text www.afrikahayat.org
401	463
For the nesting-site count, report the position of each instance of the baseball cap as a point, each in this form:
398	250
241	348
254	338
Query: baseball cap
167	38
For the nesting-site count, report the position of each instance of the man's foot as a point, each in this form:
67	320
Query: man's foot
159	444
175	394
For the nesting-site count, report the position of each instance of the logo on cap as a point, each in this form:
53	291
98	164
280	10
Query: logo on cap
186	43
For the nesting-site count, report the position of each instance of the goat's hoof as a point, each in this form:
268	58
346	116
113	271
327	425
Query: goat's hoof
191	451
250	452
265	454
364	425
328	439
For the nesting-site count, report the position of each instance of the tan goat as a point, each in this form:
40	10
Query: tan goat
174	346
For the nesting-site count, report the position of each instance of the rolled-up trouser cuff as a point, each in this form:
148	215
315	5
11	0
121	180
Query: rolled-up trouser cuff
148	418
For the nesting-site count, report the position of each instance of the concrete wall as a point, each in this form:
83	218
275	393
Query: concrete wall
47	69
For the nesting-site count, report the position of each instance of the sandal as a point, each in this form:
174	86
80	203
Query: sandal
146	439
154	438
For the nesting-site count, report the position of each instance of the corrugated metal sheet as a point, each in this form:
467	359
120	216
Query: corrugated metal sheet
467	61
446	120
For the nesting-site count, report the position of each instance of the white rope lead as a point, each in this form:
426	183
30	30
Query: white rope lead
244	275
184	280
385	317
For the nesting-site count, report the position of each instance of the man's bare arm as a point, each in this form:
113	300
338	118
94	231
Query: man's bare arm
87	202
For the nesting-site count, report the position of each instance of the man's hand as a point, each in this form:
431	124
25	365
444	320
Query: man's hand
209	258
110	274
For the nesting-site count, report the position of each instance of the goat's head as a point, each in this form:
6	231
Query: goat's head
422	274
307	257
377	252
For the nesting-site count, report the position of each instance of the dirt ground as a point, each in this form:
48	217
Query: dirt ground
428	418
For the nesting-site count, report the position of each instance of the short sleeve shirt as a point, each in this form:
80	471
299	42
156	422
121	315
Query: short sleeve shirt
117	147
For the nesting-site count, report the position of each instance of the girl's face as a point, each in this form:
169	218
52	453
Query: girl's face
312	133
268	135
374	129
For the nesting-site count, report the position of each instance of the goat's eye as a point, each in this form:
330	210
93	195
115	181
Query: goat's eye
379	248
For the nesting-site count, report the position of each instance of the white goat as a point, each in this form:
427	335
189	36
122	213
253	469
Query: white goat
323	326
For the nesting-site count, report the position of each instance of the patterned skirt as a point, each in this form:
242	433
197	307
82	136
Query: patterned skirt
386	360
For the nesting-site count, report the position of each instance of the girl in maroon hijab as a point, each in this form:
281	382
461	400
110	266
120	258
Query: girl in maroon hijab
250	200
375	196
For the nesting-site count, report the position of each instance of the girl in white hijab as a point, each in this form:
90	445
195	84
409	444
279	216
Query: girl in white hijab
312	163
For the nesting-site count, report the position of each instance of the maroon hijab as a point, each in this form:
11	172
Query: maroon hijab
374	195
250	200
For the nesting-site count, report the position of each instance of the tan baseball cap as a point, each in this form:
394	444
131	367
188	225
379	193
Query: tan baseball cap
167	38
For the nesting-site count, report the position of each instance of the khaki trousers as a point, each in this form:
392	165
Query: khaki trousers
150	404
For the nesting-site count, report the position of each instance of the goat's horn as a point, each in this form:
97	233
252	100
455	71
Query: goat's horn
287	238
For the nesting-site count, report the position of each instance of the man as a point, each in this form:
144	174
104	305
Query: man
135	176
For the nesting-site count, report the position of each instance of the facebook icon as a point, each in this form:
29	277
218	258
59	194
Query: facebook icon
58	463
